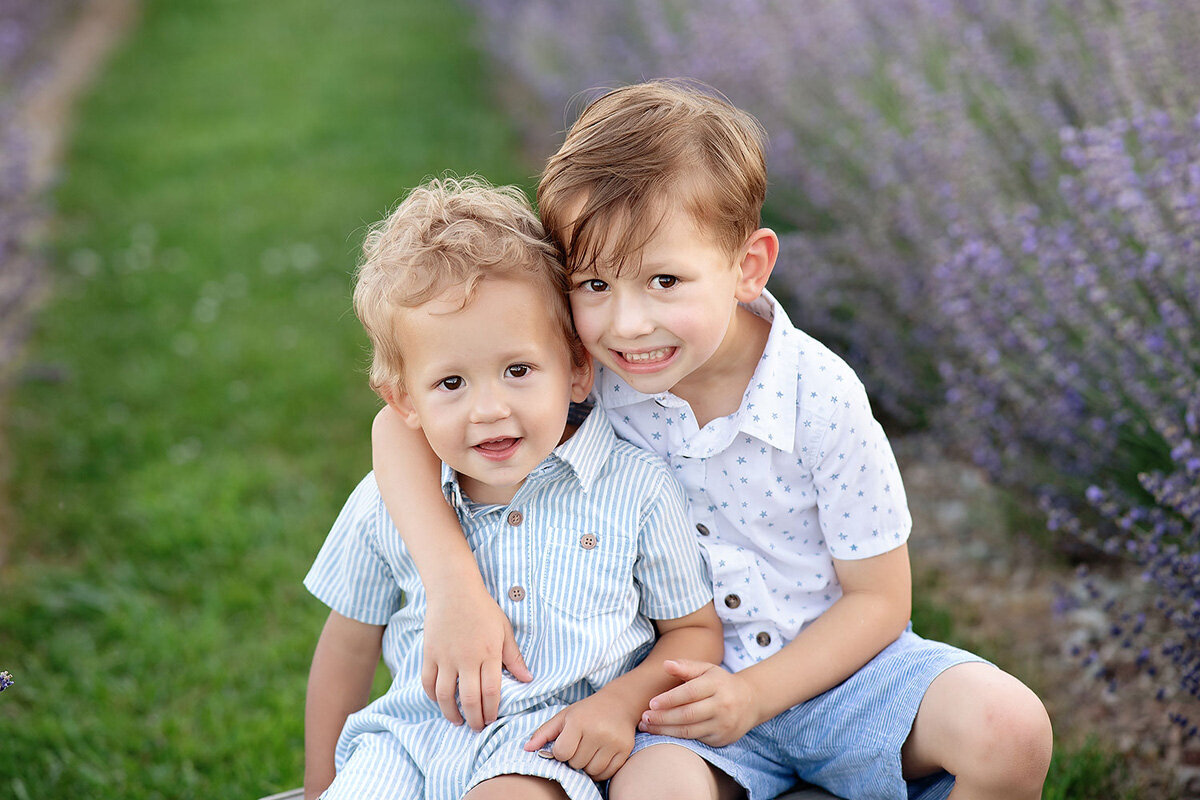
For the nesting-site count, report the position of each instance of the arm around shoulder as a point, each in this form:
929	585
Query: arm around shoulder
468	639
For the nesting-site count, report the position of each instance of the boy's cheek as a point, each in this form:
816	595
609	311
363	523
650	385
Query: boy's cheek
588	324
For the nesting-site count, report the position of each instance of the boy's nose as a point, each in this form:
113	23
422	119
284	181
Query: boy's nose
489	406
630	318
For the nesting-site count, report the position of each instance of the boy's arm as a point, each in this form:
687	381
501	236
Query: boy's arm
596	734
339	684
468	639
718	707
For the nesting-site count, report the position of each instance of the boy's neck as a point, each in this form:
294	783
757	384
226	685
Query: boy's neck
484	494
716	388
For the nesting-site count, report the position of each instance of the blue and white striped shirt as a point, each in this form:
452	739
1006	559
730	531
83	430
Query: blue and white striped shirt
594	545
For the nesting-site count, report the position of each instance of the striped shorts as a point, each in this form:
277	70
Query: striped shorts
846	740
434	760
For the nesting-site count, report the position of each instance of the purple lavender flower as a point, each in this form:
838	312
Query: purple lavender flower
1078	365
5	680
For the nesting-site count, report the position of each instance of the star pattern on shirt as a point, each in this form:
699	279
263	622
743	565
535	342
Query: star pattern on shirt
799	475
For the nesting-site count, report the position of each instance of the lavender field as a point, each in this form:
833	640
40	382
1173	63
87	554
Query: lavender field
992	210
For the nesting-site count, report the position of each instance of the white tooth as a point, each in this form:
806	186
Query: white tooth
652	355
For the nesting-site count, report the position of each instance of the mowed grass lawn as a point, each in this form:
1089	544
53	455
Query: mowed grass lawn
196	409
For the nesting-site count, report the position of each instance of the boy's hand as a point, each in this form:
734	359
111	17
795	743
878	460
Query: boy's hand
468	640
591	735
713	705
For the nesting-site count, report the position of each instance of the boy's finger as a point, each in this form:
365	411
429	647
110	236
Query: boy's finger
566	742
597	766
677	731
547	733
691	692
489	687
443	693
615	763
687	714
471	699
686	669
513	661
429	673
584	753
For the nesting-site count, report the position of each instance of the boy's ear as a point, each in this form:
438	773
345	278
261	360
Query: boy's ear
757	259
581	379
401	403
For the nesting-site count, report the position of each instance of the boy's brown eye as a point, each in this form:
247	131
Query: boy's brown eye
518	371
452	383
594	285
665	281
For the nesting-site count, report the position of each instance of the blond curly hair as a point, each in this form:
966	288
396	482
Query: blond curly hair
450	233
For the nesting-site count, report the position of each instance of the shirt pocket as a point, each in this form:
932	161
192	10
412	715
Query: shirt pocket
587	574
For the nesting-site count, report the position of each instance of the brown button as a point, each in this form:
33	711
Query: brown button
763	639
588	541
517	594
732	601
515	518
546	752
702	528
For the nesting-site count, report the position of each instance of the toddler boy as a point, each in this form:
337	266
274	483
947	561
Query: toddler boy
581	539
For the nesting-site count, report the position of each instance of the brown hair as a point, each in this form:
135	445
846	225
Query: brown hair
637	151
449	233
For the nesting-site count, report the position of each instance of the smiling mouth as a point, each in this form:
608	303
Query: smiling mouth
498	449
646	359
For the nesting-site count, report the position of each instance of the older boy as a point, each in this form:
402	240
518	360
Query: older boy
579	537
793	489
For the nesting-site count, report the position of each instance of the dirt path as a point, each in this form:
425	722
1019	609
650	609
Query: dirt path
74	59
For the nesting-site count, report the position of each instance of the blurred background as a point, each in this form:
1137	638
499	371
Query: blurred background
990	209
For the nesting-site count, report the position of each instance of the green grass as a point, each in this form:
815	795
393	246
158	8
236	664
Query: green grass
171	486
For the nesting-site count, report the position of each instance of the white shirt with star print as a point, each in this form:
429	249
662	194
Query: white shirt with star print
800	474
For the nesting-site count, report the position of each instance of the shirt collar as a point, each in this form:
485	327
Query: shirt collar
588	450
768	408
585	454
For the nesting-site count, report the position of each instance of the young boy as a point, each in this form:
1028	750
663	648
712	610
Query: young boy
580	538
793	489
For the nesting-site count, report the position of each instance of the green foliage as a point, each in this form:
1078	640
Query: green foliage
198	408
1087	773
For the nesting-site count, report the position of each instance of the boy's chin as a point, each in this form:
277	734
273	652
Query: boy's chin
654	383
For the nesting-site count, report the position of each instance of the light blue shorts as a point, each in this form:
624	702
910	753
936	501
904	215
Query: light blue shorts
434	760
846	740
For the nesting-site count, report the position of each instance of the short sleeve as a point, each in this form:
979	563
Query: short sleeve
861	505
670	568
350	574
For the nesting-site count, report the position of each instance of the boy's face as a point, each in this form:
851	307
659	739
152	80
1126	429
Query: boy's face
490	383
668	320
